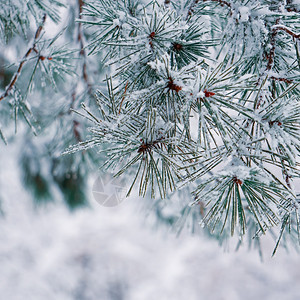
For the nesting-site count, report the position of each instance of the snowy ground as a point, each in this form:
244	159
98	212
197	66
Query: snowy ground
110	253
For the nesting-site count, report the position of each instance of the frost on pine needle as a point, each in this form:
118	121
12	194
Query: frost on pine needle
238	194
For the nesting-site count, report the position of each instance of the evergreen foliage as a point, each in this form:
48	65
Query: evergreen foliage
199	102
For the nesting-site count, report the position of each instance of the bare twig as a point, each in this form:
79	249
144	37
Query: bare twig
123	97
287	30
271	55
85	76
82	50
285	171
25	58
221	2
282	79
76	132
291	8
275	30
191	8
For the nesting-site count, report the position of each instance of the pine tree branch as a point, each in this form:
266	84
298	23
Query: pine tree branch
275	30
25	58
271	55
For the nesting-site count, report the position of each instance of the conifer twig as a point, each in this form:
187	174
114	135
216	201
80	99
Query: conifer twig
287	30
33	48
271	55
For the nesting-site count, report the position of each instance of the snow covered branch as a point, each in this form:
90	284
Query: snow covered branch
25	58
191	97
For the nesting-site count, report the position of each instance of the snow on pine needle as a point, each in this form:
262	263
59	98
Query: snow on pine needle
238	193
